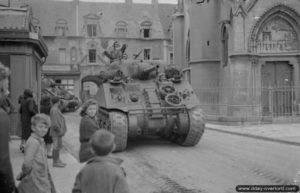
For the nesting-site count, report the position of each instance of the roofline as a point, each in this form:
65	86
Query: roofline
13	8
106	37
24	36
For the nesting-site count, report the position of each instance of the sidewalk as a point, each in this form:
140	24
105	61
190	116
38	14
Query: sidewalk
63	177
281	133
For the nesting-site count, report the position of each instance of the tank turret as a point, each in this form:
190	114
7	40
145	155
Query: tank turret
142	71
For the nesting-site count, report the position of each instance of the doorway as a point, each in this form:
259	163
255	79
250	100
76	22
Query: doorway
277	89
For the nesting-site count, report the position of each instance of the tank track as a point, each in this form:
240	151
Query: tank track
119	127
195	132
117	123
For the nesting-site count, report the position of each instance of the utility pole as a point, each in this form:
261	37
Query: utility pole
8	3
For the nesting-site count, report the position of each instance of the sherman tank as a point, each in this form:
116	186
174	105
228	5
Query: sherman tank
136	100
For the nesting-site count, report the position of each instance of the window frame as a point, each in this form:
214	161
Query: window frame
144	54
61	27
121	28
91	30
89	56
146	25
62	58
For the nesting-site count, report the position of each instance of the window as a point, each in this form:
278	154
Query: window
224	47
171	60
146	29
92	55
121	28
73	54
62	55
92	30
147	53
61	27
146	33
68	84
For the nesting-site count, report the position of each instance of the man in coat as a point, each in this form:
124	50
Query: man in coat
28	110
7	184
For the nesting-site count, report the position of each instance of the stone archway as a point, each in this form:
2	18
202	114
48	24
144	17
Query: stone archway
275	40
264	35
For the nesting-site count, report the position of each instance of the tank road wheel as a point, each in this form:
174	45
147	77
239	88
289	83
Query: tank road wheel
119	127
195	131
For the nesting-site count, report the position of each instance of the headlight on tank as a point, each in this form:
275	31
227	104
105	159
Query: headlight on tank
197	113
134	98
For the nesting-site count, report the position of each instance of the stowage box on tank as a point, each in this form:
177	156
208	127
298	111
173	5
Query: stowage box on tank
142	102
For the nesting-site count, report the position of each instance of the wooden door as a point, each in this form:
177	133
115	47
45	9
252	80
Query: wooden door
277	89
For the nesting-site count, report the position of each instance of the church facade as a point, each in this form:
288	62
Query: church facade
244	57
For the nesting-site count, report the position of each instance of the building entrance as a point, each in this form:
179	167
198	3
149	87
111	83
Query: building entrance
277	89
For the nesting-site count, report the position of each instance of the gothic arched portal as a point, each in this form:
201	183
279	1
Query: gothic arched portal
275	39
276	31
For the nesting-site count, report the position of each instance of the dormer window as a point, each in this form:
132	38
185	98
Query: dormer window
91	26
121	28
61	27
92	30
146	29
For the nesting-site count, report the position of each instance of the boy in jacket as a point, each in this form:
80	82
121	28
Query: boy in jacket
57	131
102	173
35	176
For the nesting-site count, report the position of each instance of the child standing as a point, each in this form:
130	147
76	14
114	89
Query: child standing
35	176
45	108
102	173
57	131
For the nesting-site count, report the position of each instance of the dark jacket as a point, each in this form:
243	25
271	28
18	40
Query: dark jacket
7	183
27	110
101	174
45	105
88	126
58	123
45	108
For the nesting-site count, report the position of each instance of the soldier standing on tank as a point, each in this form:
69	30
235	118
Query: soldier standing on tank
116	53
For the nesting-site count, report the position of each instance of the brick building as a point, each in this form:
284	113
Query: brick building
78	32
244	56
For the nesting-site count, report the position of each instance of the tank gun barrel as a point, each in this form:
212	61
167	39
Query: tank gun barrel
149	69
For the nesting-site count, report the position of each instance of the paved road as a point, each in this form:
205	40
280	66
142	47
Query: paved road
217	164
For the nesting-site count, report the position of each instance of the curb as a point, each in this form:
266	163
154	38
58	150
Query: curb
255	136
